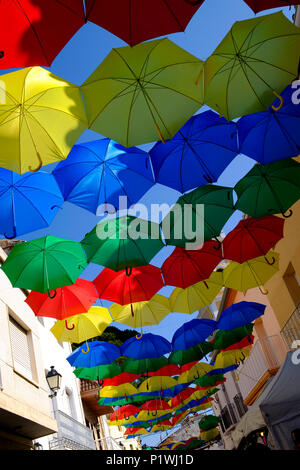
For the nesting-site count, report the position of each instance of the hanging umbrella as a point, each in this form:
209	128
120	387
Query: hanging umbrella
260	5
225	338
163	426
240	315
45	263
154	409
197	154
269	189
178	418
271	135
157	384
253	273
169	370
28	202
206	209
209	435
141	88
182	398
141	314
41	119
195	353
101	353
126	400
253	63
123	414
226	359
252	238
207	381
123	242
244	343
196	296
118	380
26	32
69	300
129	285
99	172
144	366
135	432
192	333
83	326
186	267
100	372
197	371
123	391
149	346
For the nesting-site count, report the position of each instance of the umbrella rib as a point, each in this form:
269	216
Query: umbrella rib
261	43
253	59
31	203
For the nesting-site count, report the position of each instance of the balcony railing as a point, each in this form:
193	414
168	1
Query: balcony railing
71	431
291	330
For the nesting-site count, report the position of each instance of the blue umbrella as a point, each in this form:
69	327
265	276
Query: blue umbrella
101	171
240	314
272	135
100	353
197	154
147	347
192	333
27	202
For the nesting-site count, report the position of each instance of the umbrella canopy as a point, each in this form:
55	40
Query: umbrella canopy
197	154
182	398
32	23
226	359
137	21
144	366
253	273
195	353
141	88
192	333
69	300
252	238
129	285
126	400
244	343
100	372
155	384
163	426
101	353
99	172
154	405
123	242
197	371
83	326
118	380
198	216
41	119
28	202
140	314
209	435
169	370
45	263
260	5
207	381
149	346
186	267
254	62
240	315
124	391
225	338
270	135
196	296
123	413
269	189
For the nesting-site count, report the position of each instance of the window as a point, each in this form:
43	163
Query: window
291	280
239	404
227	421
20	349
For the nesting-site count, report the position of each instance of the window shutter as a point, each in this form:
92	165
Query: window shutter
20	348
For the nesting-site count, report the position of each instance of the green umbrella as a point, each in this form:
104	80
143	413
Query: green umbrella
208	422
142	92
225	338
45	264
124	242
209	380
143	366
196	353
107	371
206	209
121	401
255	61
269	189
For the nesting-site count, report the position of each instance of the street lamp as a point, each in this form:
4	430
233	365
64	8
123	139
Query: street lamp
54	381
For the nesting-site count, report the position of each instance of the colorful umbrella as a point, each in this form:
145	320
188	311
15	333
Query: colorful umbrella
27	26
45	264
252	238
269	189
240	315
169	370
141	88
123	391
155	405
147	347
198	216
207	381
197	154
225	338
254	62
260	5
271	135
195	353
121	401
99	172
144	366
118	380
253	273
244	343
99	372
123	242
41	119
101	353
186	267
163	426
28	202
129	285
123	414
192	333
226	359
182	398
156	384
209	435
197	371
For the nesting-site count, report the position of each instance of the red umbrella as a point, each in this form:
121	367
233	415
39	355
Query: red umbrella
177	417
252	238
129	285
260	5
135	21
184	268
188	366
33	32
124	412
169	371
155	405
69	300
182	396
120	379
244	343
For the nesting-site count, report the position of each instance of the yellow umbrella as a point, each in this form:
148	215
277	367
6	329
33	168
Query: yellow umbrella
151	312
154	384
253	273
79	328
116	391
229	358
209	435
161	427
196	296
195	372
40	120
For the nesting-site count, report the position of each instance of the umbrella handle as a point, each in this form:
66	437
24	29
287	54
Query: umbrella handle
52	296
87	348
219	244
69	327
128	271
33	170
160	134
1	54
270	262
277	108
127	418
242	359
154	414
205	283
264	292
139	337
100	382
132	312
126	397
14	234
289	214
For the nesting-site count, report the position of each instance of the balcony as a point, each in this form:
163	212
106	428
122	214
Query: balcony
71	434
291	330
